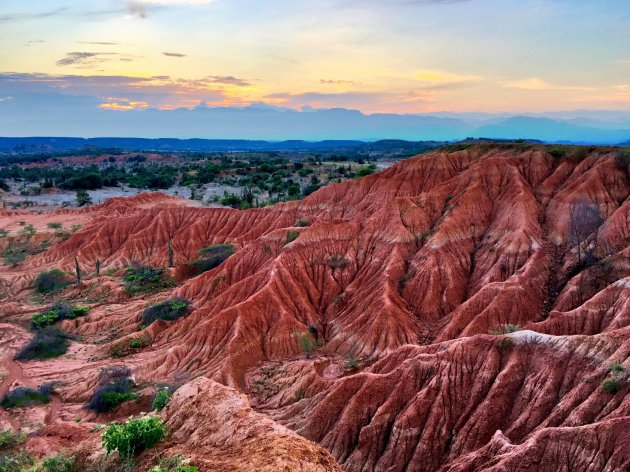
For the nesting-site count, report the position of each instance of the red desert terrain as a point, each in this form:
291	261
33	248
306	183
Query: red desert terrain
471	309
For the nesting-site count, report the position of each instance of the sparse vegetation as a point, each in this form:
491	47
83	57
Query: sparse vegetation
161	398
351	363
140	279
23	396
47	343
174	464
10	439
54	225
506	329
291	236
211	257
616	368
307	342
15	255
612	386
505	343
58	312
168	310
61	462
51	281
134	436
302	223
115	388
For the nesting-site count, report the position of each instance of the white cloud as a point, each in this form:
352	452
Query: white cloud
536	83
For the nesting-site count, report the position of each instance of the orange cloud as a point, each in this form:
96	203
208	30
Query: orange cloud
121	104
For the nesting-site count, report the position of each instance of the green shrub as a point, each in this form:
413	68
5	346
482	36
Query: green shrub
10	439
211	257
291	236
134	436
61	462
51	281
174	464
15	461
115	388
612	386
616	368
308	343
23	396
161	398
506	329
366	170
58	312
47	343
302	223
168	310
54	225
15	255
351	363
145	279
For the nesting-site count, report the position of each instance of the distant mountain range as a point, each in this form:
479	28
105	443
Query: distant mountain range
267	123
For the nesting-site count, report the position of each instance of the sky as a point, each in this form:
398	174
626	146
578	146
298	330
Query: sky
376	56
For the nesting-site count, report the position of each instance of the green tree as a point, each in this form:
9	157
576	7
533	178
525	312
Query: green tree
83	198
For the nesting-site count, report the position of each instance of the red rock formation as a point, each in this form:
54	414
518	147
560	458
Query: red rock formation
441	251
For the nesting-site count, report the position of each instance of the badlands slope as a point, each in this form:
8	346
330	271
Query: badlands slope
469	305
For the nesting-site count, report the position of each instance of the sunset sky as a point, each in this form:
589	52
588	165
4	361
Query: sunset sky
399	56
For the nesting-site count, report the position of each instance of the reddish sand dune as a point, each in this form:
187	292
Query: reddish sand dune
412	274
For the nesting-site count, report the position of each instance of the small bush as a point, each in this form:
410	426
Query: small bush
61	462
307	342
51	281
58	312
505	343
145	279
47	343
616	368
506	329
168	310
115	388
14	255
211	257
134	436
23	396
291	236
14	461
55	225
351	363
10	439
174	464
302	223
161	398
612	386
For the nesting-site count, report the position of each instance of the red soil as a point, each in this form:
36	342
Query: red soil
409	271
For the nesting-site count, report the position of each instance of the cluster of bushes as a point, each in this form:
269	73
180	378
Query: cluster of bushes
24	396
168	310
51	281
58	312
210	257
47	343
162	397
145	279
12	457
115	387
134	436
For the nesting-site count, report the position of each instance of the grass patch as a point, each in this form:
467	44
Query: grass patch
168	310
47	343
23	396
